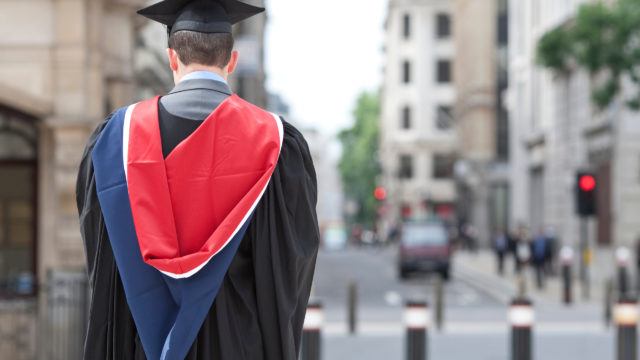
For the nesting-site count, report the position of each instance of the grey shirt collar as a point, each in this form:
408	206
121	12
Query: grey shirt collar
203	84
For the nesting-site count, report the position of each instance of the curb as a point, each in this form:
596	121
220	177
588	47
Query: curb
498	290
504	289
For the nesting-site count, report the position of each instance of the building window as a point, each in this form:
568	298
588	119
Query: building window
444	117
503	24
443	166
406	117
502	134
443	26
18	198
406	167
443	69
406	26
406	72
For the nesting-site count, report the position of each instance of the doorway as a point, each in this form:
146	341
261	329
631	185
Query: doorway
18	203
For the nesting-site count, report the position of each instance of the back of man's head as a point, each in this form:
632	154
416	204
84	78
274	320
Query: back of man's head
210	49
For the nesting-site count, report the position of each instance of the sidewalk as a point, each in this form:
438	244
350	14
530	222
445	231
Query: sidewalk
480	269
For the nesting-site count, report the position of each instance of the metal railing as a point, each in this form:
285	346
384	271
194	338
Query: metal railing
65	316
51	325
18	328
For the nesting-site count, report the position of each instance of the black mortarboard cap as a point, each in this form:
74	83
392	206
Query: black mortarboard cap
205	16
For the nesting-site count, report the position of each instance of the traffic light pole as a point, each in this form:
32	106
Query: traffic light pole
585	256
586	200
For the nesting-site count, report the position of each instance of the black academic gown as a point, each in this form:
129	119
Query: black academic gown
259	310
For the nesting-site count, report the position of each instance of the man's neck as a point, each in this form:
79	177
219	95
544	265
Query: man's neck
200	68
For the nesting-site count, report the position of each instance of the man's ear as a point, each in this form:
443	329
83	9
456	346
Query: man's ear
173	59
233	62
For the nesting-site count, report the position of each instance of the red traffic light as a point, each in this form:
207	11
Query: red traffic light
587	183
380	193
586	187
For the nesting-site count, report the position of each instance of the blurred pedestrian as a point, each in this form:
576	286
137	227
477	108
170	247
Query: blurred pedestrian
552	250
469	237
540	254
356	234
512	239
394	234
523	249
368	237
501	248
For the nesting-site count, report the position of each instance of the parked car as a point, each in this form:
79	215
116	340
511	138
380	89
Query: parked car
425	247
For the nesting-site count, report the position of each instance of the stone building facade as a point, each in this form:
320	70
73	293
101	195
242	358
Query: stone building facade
63	65
557	131
481	166
417	138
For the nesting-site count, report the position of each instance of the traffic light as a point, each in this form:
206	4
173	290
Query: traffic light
380	193
586	187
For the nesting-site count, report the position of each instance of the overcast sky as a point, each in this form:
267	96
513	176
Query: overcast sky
321	55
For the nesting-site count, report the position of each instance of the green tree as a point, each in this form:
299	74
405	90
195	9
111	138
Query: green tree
359	167
605	41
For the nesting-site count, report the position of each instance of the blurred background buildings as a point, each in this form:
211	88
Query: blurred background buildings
481	40
470	118
558	131
59	75
443	125
63	66
418	143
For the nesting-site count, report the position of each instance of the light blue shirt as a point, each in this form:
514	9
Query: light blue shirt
203	75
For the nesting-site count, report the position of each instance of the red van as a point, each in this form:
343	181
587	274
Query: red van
425	247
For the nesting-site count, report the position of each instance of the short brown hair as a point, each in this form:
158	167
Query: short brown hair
202	48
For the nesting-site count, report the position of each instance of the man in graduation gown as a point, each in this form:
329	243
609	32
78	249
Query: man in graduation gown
197	211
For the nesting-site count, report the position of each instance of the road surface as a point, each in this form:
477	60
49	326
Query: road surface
475	319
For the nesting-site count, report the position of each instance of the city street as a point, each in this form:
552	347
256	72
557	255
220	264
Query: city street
475	317
205	150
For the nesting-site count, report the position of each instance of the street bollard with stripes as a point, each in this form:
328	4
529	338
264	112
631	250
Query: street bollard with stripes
417	320
566	260
521	317
625	316
311	332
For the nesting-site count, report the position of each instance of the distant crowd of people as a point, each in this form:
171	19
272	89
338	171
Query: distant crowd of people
537	250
